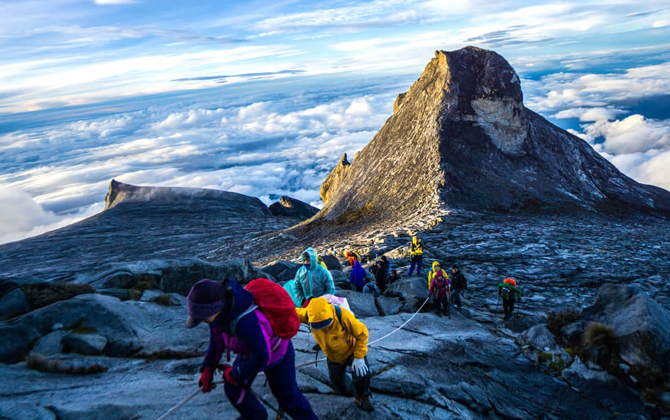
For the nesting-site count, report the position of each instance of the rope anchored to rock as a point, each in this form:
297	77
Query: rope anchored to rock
283	415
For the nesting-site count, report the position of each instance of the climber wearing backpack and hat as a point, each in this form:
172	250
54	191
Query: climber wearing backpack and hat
439	288
509	292
257	324
312	280
344	340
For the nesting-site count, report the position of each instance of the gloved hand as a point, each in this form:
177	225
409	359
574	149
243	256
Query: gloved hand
227	374
206	379
359	366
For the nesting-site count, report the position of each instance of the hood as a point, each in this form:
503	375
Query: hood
357	264
415	240
319	310
237	300
313	258
435	265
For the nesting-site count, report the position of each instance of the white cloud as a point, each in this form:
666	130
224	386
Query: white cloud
107	2
631	135
590	114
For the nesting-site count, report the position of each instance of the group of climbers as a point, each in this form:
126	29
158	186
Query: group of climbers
257	323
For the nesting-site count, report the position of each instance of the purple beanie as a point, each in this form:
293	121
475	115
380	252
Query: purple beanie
204	300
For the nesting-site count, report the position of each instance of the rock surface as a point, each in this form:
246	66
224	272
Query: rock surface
13	303
290	207
85	343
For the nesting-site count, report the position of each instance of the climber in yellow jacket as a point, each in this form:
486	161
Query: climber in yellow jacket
344	340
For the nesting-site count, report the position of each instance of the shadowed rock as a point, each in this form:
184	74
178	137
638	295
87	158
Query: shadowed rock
290	207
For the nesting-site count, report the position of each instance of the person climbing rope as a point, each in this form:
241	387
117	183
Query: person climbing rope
357	277
236	324
458	286
416	252
312	280
344	340
439	288
509	292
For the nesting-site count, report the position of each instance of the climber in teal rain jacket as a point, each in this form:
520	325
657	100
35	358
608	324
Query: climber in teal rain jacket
312	280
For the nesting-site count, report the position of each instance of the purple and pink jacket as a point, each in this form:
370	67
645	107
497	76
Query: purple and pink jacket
245	331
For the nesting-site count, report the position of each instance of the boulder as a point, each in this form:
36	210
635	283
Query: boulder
642	325
538	337
180	275
340	279
90	344
25	411
388	305
408	288
51	343
332	262
282	270
16	342
121	294
13	303
362	304
151	295
103	315
572	333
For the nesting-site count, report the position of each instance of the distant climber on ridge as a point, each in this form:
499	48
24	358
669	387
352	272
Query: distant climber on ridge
312	280
509	292
416	251
344	340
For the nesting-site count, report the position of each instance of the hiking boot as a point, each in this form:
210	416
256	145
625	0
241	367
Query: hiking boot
364	404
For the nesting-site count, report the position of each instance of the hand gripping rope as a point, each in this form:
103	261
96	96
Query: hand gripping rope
282	415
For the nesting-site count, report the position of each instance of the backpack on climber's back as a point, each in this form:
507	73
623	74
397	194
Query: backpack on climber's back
440	281
277	306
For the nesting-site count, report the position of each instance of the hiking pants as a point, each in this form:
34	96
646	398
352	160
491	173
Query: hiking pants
341	383
417	261
381	284
281	378
456	298
441	304
508	307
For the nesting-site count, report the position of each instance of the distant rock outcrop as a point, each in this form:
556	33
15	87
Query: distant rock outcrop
120	193
461	138
290	207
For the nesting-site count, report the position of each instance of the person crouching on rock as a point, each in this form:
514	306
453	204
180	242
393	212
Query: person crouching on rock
235	324
312	280
509	292
371	287
357	277
344	340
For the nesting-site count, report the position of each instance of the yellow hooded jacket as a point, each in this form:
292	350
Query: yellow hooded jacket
432	273
417	247
339	341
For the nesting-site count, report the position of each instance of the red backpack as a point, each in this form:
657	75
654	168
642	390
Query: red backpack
277	306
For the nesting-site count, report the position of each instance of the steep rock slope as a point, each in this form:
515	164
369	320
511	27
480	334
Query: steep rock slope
461	138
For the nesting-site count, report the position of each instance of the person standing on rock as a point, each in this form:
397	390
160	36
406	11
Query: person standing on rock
352	257
237	325
439	288
312	280
344	340
416	252
458	286
357	277
509	292
380	276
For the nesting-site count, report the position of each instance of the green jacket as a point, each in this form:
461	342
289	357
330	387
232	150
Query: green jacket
509	291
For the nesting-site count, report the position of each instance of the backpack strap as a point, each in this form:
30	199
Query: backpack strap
233	323
338	312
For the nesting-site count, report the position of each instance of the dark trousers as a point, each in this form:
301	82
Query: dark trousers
341	383
417	261
381	284
441	304
508	307
456	298
281	378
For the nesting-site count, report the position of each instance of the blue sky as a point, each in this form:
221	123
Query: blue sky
263	99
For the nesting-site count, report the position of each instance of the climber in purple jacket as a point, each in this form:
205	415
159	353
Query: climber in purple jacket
235	325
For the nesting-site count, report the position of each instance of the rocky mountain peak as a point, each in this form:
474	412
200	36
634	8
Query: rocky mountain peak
461	138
